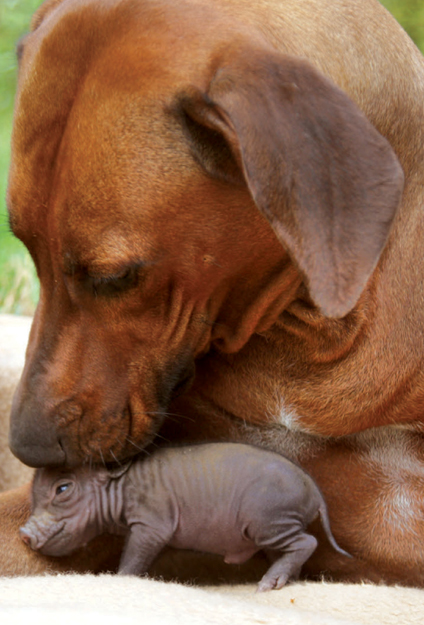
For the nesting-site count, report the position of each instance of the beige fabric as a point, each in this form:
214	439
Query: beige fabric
115	600
112	600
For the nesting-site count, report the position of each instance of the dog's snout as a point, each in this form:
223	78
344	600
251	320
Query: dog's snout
39	424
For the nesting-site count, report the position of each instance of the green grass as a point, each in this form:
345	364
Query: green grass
409	13
18	282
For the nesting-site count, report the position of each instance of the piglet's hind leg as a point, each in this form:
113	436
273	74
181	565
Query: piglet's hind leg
289	564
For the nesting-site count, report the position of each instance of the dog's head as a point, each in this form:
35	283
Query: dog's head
175	180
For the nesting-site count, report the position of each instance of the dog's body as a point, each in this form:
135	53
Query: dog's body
194	188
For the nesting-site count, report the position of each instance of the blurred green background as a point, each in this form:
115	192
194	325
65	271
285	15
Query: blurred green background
18	283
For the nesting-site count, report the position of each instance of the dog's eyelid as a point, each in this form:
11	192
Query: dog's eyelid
113	284
100	273
115	274
109	277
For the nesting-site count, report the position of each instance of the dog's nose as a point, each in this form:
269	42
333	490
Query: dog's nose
33	437
34	443
36	453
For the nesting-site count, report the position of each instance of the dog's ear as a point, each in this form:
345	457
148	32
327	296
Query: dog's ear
326	180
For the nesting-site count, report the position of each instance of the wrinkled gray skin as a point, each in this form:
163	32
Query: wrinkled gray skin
224	498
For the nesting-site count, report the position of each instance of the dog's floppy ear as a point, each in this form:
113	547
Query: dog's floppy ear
326	180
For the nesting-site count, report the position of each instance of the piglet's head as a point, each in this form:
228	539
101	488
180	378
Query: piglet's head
65	509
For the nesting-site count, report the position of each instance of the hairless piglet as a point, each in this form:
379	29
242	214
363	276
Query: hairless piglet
225	498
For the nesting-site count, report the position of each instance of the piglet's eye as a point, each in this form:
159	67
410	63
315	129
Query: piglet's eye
61	488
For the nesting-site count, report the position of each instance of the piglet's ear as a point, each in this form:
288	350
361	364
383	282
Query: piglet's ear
326	180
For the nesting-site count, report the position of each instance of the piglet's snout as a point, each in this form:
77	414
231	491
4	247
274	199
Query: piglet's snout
27	538
39	530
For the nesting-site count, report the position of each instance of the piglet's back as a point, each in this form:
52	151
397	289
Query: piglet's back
224	485
222	467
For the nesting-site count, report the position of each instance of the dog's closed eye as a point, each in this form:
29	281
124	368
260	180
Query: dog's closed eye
116	284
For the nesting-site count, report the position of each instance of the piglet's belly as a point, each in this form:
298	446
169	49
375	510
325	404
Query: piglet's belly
214	538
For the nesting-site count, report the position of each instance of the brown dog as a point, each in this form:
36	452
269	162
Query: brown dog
204	204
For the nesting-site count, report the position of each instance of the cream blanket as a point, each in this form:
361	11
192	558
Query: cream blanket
112	600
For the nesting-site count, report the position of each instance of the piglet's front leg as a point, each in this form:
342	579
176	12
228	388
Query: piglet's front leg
143	546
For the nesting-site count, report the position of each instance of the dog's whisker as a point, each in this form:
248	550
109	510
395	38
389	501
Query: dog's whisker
102	457
114	457
141	449
162	438
169	415
131	442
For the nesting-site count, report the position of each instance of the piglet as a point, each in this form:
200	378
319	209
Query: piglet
224	498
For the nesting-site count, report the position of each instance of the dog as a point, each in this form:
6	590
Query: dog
223	200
